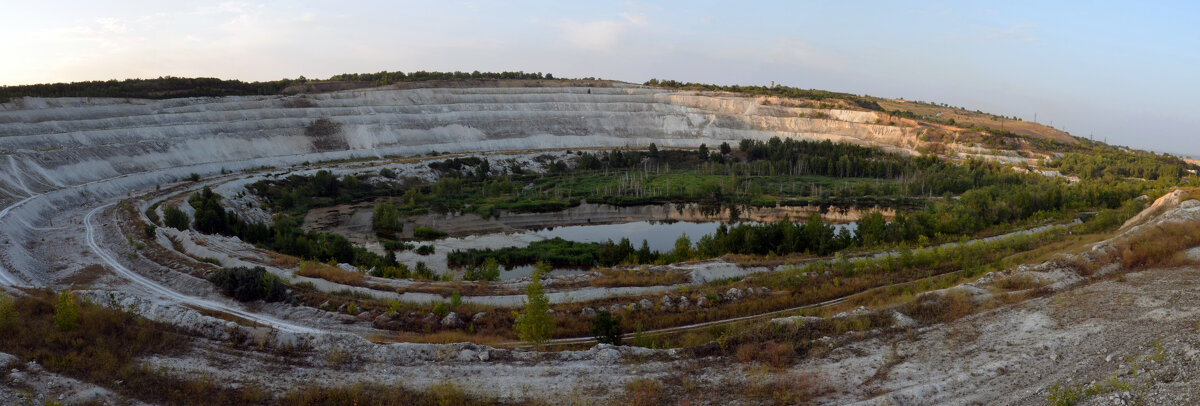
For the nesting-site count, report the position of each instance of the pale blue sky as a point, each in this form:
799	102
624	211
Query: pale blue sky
1125	71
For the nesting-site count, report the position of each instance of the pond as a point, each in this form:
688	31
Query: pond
659	225
659	235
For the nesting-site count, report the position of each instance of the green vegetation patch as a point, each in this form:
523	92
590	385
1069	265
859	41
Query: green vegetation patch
249	284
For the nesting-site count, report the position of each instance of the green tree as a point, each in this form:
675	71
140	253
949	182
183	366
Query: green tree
66	312
175	218
725	148
683	248
8	313
535	325
350	182
872	228
209	217
653	150
606	328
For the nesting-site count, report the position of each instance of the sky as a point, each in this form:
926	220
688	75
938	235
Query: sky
1125	72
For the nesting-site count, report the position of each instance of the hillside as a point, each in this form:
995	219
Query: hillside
942	124
54	142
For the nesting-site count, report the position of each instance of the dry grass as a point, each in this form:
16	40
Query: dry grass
442	394
84	276
104	346
330	273
1159	246
773	353
644	392
1190	194
1019	282
940	308
637	277
794	388
457	336
1049	250
282	261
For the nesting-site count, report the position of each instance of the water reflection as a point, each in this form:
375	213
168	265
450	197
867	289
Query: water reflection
660	235
521	271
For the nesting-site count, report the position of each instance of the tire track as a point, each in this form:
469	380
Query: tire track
8	278
155	288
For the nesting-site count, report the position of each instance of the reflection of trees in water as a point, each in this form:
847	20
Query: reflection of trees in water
710	209
734	213
680	207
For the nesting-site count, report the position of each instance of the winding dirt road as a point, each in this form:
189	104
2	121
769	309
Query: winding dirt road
167	293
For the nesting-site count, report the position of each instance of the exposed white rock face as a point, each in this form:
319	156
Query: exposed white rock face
62	154
51	143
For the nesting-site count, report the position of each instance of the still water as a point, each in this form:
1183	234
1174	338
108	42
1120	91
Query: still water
660	235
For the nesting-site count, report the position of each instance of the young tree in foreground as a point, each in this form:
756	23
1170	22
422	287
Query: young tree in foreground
66	312
535	325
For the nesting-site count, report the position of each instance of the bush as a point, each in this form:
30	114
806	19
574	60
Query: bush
313	269
424	250
175	218
427	233
392	245
249	284
422	271
392	272
66	312
489	271
152	215
440	309
606	328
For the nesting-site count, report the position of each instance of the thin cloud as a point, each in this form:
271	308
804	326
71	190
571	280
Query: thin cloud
1018	32
602	35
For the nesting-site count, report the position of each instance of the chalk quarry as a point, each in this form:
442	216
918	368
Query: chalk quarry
65	163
